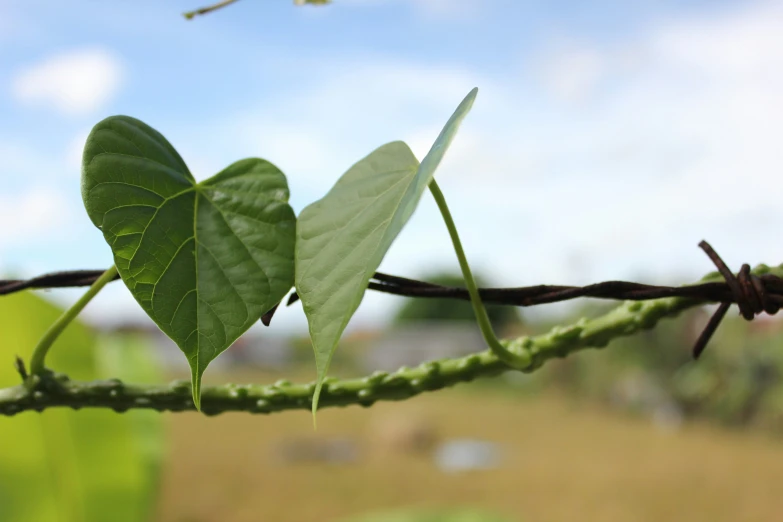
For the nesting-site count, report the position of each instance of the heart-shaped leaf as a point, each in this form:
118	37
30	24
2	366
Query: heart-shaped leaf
342	238
205	260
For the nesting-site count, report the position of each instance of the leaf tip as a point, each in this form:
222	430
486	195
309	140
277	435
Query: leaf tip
467	102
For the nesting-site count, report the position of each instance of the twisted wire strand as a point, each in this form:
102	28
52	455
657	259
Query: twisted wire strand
753	294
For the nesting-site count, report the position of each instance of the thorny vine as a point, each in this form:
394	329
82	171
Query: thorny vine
757	291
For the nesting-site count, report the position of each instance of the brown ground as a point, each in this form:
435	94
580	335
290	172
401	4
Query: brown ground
562	462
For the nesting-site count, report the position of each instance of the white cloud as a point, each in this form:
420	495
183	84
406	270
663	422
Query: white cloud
75	82
390	87
573	73
35	214
654	156
355	109
74	151
669	144
665	145
433	9
447	9
23	162
744	42
301	149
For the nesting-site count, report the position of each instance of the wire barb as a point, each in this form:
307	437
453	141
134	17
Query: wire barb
748	292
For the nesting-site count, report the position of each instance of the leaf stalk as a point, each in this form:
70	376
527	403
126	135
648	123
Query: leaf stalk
54	331
502	353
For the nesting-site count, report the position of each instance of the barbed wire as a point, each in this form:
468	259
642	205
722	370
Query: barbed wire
754	294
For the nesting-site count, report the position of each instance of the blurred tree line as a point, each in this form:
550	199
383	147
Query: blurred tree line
427	310
738	381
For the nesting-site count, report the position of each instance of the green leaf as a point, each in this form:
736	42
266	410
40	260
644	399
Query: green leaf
342	238
204	260
67	466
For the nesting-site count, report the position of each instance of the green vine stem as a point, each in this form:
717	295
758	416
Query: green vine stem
51	335
204	10
51	390
500	351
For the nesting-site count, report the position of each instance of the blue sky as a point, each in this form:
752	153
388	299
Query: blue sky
607	140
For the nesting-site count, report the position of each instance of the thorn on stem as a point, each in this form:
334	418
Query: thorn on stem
294	297
266	319
20	368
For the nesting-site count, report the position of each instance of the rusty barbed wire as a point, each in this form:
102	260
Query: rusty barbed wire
753	294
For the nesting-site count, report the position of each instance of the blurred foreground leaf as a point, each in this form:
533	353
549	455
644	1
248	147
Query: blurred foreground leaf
66	466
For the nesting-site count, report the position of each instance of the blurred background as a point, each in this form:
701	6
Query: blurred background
607	140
